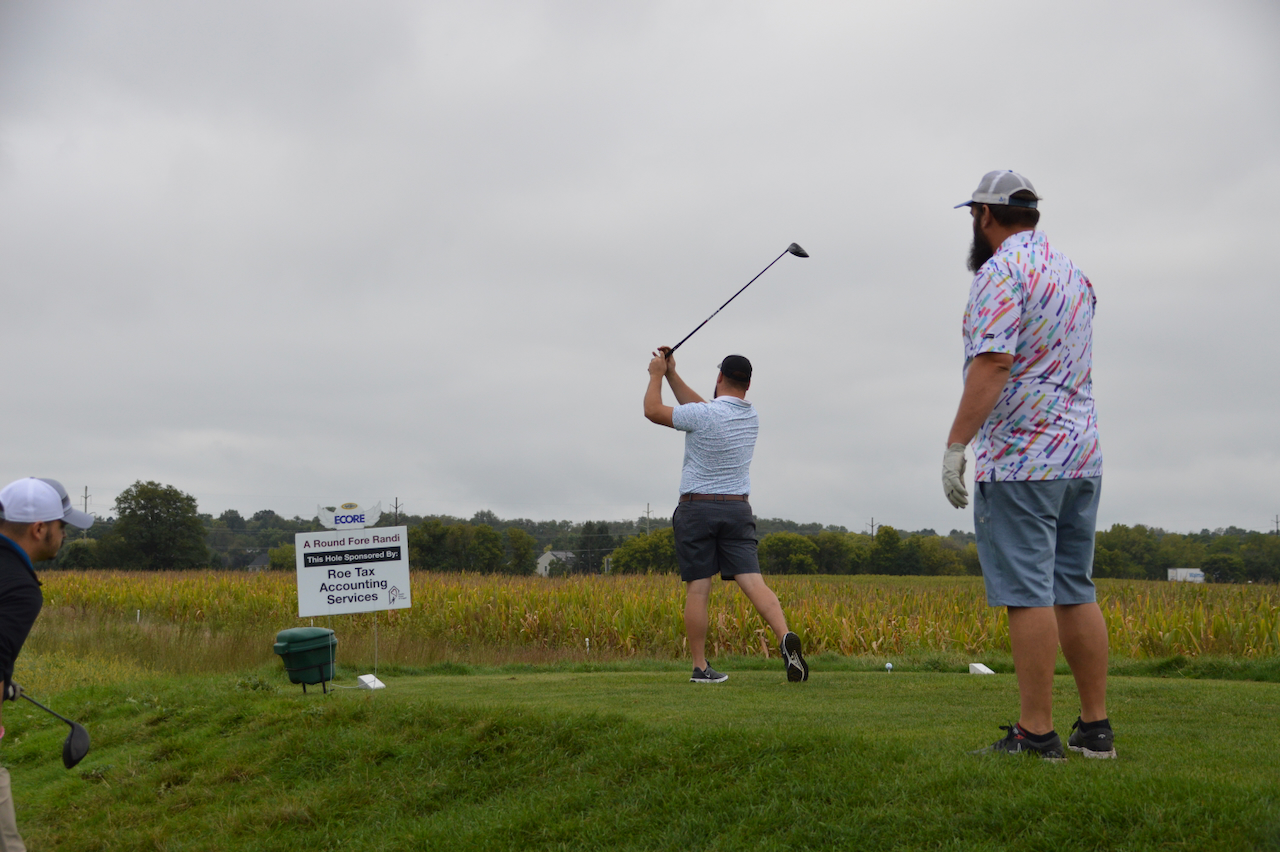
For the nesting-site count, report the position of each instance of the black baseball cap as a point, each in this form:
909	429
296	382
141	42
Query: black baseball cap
736	367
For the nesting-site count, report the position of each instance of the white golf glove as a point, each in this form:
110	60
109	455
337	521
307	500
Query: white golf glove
953	476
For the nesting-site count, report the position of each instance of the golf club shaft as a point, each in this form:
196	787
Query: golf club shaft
47	710
722	307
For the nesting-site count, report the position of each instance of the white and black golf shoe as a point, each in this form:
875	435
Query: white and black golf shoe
797	668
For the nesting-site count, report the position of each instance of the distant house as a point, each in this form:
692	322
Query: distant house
545	560
1186	575
261	563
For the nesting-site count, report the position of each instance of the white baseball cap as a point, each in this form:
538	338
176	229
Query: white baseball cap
26	501
998	187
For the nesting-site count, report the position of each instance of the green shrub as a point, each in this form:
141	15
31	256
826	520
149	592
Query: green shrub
788	553
647	553
283	558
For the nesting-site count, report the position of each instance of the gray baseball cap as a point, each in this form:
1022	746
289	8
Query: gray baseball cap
998	187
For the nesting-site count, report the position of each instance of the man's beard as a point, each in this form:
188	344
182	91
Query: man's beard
980	249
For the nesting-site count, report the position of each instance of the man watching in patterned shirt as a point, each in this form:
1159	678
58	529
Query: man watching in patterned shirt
715	531
1028	408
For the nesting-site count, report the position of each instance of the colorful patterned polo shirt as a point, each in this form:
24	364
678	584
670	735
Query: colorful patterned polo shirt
1030	301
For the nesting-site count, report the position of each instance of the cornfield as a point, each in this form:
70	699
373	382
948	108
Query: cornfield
628	616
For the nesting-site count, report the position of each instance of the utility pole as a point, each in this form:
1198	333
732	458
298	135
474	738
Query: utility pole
1277	524
646	519
873	527
395	507
85	533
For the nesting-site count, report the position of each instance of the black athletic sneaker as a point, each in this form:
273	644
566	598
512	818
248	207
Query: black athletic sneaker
1017	742
1099	743
707	675
797	668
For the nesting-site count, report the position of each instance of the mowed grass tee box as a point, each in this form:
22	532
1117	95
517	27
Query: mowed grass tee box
637	760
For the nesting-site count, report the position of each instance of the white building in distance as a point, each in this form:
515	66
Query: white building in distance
545	560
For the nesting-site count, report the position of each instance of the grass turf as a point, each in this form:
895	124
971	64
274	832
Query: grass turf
638	759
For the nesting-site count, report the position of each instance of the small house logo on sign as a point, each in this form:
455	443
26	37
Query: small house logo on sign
348	516
396	595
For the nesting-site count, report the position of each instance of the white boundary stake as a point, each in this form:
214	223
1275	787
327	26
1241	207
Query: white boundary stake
979	668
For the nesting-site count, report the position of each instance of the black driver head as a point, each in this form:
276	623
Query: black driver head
76	746
795	249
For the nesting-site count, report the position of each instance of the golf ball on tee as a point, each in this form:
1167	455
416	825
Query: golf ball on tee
888	667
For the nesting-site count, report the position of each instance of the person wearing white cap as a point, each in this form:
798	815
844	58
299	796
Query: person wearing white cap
1028	409
34	514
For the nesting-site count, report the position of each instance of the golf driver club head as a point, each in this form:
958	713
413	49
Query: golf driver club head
76	746
77	742
795	249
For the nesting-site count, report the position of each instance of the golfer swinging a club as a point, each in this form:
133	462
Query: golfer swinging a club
715	531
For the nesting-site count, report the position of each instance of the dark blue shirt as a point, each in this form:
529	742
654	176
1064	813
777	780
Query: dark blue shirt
20	603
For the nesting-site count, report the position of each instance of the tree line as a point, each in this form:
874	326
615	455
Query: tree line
829	551
1227	555
158	527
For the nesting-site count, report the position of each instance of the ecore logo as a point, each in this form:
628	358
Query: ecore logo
348	516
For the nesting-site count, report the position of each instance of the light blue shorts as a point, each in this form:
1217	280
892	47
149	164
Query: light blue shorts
1035	540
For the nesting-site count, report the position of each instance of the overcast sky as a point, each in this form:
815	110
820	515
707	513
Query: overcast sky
295	253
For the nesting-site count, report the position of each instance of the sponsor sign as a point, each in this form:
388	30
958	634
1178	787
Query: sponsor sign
346	571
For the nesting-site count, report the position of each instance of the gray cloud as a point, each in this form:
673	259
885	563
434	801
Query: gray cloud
307	252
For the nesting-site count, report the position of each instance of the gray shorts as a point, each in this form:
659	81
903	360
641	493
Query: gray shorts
715	538
1035	540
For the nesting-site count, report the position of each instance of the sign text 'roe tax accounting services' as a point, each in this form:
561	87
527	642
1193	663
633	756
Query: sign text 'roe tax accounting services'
361	570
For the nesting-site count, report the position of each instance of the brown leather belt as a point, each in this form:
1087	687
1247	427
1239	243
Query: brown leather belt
719	498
